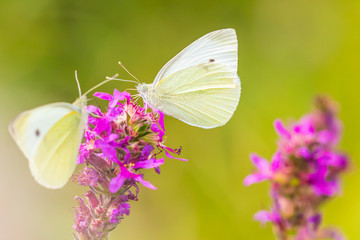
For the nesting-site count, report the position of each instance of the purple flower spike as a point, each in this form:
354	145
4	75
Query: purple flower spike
119	145
304	172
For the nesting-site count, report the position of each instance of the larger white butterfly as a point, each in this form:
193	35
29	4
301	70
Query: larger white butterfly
50	137
200	85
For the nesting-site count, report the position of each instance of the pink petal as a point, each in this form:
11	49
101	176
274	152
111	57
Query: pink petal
260	163
102	125
266	216
104	96
116	183
161	119
108	150
118	96
276	162
151	163
147	184
94	110
172	157
280	129
157	129
254	178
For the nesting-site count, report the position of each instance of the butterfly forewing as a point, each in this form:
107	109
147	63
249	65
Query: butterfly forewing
29	128
218	46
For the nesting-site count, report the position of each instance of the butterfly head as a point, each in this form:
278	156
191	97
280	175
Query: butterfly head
80	102
143	90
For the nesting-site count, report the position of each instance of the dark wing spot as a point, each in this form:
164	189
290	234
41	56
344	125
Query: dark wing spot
37	132
211	60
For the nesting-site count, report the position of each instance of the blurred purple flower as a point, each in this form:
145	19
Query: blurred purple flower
304	172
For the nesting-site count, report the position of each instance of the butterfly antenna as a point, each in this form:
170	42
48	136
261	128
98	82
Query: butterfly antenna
108	79
117	79
122	80
128	71
100	84
131	89
78	83
136	98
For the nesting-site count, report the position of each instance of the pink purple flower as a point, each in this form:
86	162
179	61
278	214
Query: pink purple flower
304	172
119	144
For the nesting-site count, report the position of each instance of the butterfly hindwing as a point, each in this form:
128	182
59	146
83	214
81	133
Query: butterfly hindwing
55	158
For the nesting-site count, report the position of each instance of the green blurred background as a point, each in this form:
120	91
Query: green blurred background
288	52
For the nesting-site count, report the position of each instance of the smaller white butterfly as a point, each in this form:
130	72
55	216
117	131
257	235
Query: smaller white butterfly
200	85
50	137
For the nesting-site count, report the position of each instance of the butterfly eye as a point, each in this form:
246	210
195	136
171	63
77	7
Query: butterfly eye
211	60
37	132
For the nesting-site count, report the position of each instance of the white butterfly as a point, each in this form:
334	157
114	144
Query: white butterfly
50	137
200	85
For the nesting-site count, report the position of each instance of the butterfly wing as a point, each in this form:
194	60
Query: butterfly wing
205	95
218	46
200	85
50	136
